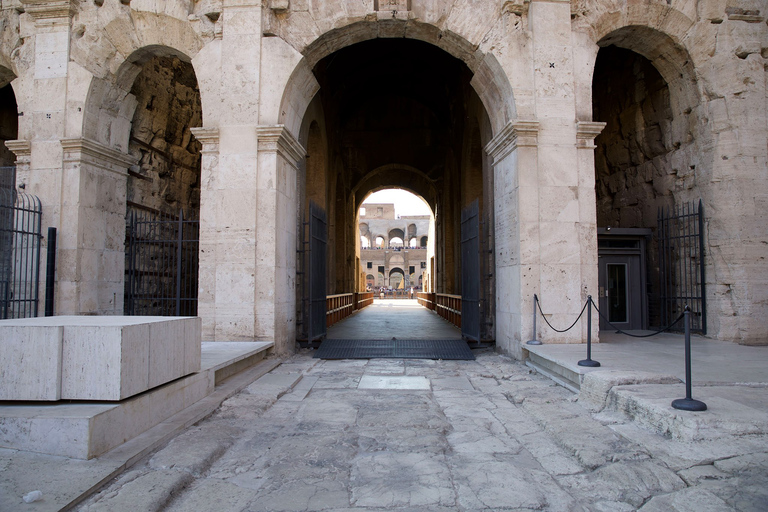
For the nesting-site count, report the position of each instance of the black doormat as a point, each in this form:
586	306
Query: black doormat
396	349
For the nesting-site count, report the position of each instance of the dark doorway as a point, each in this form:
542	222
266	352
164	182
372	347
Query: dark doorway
622	278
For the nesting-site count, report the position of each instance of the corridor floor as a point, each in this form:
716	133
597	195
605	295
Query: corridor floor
423	435
403	319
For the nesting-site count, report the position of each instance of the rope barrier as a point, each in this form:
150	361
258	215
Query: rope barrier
538	303
564	330
636	335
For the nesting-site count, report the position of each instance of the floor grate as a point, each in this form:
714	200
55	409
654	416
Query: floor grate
395	349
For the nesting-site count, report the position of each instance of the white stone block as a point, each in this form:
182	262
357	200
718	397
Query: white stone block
97	357
21	347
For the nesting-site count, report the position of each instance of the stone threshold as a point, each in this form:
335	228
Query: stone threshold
84	430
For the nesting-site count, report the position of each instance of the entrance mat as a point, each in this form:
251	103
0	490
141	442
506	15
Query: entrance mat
397	349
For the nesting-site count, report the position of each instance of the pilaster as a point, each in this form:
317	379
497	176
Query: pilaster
276	228
91	238
210	238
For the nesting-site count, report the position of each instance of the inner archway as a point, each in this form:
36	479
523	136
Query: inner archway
397	113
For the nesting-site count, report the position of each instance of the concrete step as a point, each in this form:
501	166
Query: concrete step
84	430
733	409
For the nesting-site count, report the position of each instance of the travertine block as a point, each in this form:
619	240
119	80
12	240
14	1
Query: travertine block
95	358
20	347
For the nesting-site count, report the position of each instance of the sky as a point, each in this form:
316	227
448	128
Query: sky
405	202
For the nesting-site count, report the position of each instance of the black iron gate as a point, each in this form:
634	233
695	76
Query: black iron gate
161	268
318	240
20	236
470	272
681	264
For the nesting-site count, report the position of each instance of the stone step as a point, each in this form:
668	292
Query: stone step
84	430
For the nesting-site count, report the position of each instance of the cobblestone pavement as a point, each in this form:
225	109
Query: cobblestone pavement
483	435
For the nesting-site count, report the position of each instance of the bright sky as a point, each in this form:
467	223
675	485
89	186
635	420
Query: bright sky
405	202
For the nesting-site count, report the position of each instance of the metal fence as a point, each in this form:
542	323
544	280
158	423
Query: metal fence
161	270
681	264
20	237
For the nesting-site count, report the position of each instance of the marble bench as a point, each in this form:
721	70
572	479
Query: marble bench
105	358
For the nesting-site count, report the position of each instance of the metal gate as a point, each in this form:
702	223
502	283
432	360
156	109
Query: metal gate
20	236
470	272
681	264
161	270
318	240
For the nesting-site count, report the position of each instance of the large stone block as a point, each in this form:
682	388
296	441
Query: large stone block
22	347
94	358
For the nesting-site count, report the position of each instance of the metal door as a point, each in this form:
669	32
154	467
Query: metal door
620	299
470	271
318	240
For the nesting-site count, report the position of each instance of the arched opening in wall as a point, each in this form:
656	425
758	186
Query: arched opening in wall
390	210
642	166
9	130
163	189
396	282
398	113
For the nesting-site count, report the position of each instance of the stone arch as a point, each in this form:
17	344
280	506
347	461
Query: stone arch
407	178
107	110
490	82
657	33
109	107
9	125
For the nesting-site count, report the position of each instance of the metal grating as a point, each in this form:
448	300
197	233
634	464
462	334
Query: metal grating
395	349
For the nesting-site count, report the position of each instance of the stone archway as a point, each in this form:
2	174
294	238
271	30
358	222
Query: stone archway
360	165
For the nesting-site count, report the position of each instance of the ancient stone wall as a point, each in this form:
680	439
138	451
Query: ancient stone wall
167	176
635	171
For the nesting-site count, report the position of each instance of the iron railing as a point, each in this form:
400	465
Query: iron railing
681	264
161	268
20	237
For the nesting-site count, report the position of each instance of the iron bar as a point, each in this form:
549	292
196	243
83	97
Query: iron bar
50	272
20	242
162	264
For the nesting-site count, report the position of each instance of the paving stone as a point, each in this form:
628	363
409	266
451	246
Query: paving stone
147	492
462	383
195	450
516	443
401	480
213	494
628	482
494	484
686	500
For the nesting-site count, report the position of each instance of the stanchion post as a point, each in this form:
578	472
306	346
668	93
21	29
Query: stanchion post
589	361
688	403
50	272
534	341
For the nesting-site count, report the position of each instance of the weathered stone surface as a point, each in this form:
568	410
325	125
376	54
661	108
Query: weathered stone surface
353	449
496	102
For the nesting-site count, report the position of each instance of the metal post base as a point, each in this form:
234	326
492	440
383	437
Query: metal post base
533	342
689	404
589	362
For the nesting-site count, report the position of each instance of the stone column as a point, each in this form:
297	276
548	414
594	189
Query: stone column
555	209
209	231
586	131
276	232
514	154
90	265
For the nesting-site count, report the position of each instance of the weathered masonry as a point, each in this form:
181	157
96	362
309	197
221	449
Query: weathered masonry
549	119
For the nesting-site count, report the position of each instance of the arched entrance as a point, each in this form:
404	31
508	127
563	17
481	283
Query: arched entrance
647	192
397	113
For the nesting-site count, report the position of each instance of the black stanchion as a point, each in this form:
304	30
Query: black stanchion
50	272
534	341
589	361
688	403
